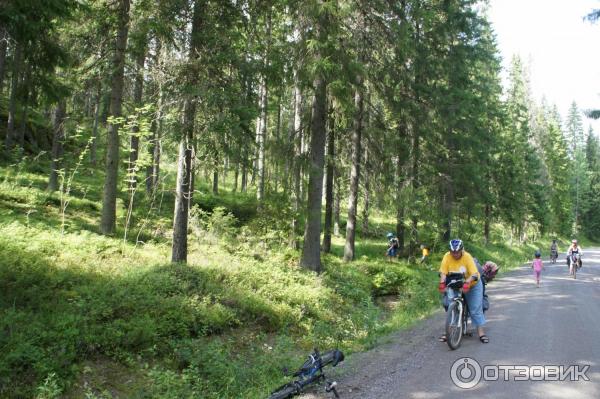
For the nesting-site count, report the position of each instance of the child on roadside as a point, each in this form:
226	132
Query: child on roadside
537	265
424	253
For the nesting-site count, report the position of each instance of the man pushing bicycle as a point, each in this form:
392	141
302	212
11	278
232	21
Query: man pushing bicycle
460	261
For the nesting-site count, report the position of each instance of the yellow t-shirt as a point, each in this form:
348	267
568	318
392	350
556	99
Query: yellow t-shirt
465	264
425	252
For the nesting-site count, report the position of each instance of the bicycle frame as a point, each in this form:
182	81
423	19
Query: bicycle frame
311	372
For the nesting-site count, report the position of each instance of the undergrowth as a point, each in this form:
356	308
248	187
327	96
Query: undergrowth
83	315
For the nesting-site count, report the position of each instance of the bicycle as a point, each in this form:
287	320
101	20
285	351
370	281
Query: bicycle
311	372
553	255
575	264
457	316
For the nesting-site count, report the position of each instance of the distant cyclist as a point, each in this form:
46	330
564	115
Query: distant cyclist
574	249
553	250
459	260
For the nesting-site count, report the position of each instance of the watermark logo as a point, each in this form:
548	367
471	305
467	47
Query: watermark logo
466	373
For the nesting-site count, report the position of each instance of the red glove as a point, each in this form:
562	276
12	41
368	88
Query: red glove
466	287
442	287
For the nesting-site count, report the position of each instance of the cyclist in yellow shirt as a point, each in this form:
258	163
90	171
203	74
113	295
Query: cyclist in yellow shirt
459	260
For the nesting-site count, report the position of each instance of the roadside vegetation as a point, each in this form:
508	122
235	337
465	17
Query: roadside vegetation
84	315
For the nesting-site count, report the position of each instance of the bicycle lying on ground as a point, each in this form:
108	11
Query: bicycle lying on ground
311	372
457	316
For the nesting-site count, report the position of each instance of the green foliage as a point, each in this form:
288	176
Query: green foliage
242	207
392	278
219	224
67	299
50	389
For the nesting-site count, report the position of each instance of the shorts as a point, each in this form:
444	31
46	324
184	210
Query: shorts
392	251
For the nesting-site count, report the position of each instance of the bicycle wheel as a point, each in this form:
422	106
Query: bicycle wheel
454	325
286	391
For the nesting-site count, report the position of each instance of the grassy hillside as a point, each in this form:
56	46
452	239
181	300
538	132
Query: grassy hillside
83	315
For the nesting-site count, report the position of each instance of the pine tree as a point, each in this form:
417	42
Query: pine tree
576	142
109	198
590	207
186	143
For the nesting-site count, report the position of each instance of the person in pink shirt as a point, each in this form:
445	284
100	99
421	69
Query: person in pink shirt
537	266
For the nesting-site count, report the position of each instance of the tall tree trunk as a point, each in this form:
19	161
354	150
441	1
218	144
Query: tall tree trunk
12	102
277	162
415	130
94	139
244	182
22	131
186	150
215	179
194	174
296	164
261	130
109	198
336	203
57	144
311	252
366	208
236	175
329	181
3	46
414	179
226	166
354	174
89	112
400	210
184	176
154	145
401	184
261	134
134	141
156	156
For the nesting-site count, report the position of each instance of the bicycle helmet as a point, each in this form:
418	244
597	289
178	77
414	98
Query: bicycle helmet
538	253
456	245
390	235
574	241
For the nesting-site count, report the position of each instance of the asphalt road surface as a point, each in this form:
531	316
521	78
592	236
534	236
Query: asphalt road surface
544	343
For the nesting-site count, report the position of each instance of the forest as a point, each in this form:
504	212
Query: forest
189	184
